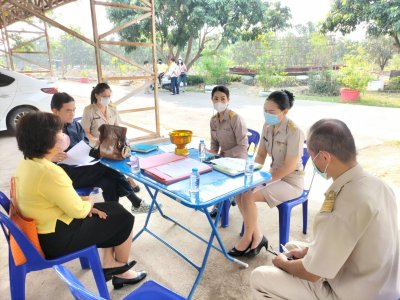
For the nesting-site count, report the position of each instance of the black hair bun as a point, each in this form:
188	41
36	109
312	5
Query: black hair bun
290	97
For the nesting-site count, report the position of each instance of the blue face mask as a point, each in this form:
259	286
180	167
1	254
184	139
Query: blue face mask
322	174
271	119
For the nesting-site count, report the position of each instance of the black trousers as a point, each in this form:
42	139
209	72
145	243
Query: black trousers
113	184
82	233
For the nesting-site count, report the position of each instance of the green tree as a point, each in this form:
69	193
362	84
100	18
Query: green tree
381	16
190	25
380	50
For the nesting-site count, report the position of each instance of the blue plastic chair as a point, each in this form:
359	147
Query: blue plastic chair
75	286
89	258
150	290
285	208
253	137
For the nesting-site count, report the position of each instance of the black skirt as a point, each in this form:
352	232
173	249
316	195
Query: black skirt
82	233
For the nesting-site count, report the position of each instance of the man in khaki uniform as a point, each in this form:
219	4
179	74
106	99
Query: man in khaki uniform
229	135
355	251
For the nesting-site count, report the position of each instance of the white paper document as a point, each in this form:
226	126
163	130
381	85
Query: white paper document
167	148
181	168
237	164
79	155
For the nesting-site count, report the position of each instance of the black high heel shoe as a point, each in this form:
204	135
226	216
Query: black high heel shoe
236	253
119	282
254	252
110	272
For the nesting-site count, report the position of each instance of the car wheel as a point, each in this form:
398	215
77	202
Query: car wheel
167	87
15	115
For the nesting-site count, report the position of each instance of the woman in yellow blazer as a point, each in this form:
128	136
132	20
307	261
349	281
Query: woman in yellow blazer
64	221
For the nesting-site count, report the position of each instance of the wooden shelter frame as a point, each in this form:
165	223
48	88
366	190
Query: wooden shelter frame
12	11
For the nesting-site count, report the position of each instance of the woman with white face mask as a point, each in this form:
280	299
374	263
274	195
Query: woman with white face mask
100	112
283	141
228	130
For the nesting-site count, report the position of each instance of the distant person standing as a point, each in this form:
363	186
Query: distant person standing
161	70
174	73
182	77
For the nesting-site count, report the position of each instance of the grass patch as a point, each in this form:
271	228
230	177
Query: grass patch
367	98
392	143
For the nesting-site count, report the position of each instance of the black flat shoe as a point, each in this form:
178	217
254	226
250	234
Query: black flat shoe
110	272
119	282
236	253
254	252
213	212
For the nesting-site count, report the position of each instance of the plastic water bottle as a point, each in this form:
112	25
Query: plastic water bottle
202	150
249	168
194	181
135	168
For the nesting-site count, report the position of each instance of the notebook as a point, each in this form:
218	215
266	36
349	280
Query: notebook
231	166
143	148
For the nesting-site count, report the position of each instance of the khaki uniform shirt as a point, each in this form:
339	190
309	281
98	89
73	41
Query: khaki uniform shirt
93	118
356	241
288	140
229	136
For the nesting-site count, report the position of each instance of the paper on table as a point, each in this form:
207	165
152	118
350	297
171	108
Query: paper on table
237	164
181	168
167	148
79	155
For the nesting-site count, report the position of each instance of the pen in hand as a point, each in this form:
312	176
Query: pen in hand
285	250
272	251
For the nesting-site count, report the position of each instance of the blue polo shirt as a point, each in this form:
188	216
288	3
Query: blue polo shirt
75	132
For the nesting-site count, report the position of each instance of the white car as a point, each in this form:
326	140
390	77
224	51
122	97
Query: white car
21	94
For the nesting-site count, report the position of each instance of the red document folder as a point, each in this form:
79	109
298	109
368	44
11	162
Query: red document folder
168	167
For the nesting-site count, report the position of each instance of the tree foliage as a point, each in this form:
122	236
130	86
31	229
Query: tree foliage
380	50
189	25
381	16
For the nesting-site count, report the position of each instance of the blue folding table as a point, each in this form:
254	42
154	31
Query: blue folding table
215	188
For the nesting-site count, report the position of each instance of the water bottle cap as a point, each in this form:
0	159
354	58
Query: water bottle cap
195	170
250	155
201	140
133	153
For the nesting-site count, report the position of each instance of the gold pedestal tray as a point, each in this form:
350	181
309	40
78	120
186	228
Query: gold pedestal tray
181	138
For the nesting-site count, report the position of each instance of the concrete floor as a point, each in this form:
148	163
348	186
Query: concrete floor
222	279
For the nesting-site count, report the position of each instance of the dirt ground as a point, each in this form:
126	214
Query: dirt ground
382	161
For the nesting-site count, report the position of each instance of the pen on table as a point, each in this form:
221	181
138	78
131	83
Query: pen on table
285	250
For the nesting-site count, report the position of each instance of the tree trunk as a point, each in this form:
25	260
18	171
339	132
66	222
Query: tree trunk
396	41
189	50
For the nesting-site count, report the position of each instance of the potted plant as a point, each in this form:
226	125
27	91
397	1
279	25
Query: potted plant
354	76
84	76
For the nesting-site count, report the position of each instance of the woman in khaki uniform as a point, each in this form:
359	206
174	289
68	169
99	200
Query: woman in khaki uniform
283	141
100	112
228	130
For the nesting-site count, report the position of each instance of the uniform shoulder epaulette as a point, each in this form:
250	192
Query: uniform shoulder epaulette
291	125
232	114
329	202
112	105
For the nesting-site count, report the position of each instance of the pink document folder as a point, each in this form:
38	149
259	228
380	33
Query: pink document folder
168	168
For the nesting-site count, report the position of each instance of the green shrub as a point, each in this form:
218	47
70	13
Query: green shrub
215	67
235	78
394	84
195	79
323	83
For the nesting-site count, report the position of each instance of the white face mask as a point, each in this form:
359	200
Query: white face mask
322	174
220	107
105	101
